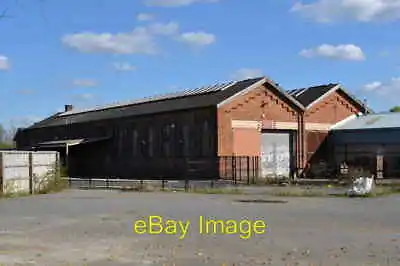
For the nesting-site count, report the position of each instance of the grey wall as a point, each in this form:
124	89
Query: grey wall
363	146
381	136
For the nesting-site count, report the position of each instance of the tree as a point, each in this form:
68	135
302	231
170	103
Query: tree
395	109
2	133
6	137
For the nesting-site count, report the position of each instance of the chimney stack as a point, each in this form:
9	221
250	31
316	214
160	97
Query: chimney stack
68	107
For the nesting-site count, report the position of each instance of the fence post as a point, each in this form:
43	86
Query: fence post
248	170
1	174
257	168
234	169
240	168
30	173
225	167
186	184
107	182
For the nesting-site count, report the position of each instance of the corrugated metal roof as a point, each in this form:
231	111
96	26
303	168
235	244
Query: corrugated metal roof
188	99
372	121
168	96
306	96
310	95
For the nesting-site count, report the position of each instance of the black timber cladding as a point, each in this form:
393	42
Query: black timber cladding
189	99
306	96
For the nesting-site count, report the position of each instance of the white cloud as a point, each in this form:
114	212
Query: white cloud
138	41
198	38
26	92
349	52
176	3
85	82
246	73
326	11
85	96
124	66
141	40
373	86
166	29
144	17
4	63
383	88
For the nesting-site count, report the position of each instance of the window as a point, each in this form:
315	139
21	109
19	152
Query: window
186	140
144	143
182	141
166	140
120	142
205	139
135	142
150	145
122	139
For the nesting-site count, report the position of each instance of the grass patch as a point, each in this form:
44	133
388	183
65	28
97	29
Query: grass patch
298	192
54	184
141	187
379	191
51	182
262	201
149	188
269	181
14	195
216	191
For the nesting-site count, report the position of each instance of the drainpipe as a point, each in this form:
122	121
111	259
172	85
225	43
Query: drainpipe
301	146
66	157
298	145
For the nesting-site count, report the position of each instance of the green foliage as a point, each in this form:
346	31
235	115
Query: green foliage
4	145
63	171
395	109
6	137
51	182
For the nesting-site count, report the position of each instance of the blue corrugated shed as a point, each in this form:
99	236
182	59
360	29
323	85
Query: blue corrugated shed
372	121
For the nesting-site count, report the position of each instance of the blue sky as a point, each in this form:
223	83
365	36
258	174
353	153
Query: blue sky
86	53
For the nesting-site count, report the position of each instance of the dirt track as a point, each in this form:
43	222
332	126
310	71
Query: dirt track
95	228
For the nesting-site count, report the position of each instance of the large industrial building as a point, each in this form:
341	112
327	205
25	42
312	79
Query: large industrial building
189	133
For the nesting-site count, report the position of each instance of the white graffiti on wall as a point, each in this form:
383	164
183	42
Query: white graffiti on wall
275	161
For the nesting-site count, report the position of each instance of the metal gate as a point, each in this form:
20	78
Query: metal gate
275	154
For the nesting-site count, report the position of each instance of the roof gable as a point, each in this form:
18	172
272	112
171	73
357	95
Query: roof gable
308	97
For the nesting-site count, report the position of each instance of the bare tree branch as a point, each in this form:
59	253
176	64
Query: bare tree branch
4	14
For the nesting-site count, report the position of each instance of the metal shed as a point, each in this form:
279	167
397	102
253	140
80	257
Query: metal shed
372	141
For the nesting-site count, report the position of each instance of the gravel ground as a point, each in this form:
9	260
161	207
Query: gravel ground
95	228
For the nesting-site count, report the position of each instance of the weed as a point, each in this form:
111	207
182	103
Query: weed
379	191
216	191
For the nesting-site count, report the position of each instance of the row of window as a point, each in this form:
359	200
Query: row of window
171	141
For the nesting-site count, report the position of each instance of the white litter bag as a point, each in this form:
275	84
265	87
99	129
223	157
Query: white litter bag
361	186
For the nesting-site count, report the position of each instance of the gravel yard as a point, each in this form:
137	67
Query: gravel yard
96	228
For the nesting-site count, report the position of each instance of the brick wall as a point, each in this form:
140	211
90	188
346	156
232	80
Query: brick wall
329	111
262	104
